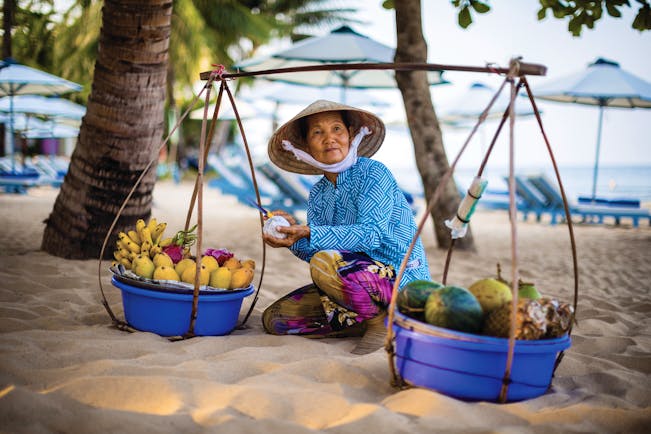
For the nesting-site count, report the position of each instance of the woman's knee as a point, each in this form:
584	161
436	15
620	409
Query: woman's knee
324	267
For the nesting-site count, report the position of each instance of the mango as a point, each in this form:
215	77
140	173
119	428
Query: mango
241	278
210	262
183	264
163	259
221	278
190	272
249	263
165	272
144	267
232	263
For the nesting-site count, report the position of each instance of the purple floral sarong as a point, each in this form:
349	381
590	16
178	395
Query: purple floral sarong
347	289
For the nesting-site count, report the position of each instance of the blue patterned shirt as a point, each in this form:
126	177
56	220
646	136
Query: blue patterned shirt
365	212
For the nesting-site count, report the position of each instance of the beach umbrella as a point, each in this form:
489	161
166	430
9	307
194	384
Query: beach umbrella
226	112
22	122
463	111
471	104
342	45
17	79
604	84
51	130
278	94
42	105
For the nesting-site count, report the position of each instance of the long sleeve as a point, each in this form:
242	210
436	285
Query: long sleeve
365	212
369	207
301	249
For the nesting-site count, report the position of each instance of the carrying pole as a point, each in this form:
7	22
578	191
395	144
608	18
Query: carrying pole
525	69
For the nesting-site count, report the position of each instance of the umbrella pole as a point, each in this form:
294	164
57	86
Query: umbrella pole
596	159
11	134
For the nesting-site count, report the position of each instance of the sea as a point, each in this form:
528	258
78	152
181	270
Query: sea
621	182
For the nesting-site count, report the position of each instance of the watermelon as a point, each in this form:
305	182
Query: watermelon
412	297
455	308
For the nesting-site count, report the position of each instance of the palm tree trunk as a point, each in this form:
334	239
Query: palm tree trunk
120	133
431	159
8	11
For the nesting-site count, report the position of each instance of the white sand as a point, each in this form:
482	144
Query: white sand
65	369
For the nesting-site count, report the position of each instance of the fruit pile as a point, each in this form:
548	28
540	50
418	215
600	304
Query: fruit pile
485	308
146	253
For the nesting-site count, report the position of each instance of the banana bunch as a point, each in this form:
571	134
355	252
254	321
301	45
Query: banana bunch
147	239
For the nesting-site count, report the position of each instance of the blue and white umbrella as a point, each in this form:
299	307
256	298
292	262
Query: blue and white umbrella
51	130
42	105
22	122
471	104
342	45
17	79
286	94
603	84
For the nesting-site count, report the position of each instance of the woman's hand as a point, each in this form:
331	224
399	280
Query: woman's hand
290	218
294	232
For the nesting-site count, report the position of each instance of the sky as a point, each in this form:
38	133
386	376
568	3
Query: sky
511	30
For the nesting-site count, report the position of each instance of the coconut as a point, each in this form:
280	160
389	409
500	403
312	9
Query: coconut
272	224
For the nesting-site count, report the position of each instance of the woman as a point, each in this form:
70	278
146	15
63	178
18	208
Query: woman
359	227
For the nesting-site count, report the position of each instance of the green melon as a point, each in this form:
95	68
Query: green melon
454	308
411	299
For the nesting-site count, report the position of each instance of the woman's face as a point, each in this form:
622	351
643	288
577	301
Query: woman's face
328	139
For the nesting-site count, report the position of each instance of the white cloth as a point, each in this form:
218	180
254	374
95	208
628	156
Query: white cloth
339	167
458	224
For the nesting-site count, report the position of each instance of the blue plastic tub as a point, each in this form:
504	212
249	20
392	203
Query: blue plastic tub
168	313
469	366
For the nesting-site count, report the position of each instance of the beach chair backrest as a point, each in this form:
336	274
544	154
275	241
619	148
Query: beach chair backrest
290	186
548	189
529	194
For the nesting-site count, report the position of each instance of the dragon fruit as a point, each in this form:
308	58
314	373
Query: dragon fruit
175	252
222	255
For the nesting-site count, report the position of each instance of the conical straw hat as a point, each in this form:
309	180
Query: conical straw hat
291	131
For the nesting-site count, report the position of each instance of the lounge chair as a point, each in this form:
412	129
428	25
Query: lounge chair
298	187
607	201
234	179
288	183
18	182
52	170
17	178
532	201
588	212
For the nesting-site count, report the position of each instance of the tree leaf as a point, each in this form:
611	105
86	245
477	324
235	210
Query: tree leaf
479	7
642	20
388	4
464	18
559	13
612	10
574	26
542	14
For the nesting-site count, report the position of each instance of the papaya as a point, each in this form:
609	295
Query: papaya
412	297
455	308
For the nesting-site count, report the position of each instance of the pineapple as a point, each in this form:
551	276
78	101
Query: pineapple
531	322
558	316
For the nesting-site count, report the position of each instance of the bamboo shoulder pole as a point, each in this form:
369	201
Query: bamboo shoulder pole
525	69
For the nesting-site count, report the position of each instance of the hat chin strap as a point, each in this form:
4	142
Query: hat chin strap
339	167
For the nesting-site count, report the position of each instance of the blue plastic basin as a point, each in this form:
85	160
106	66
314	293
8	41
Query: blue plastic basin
168	313
471	367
